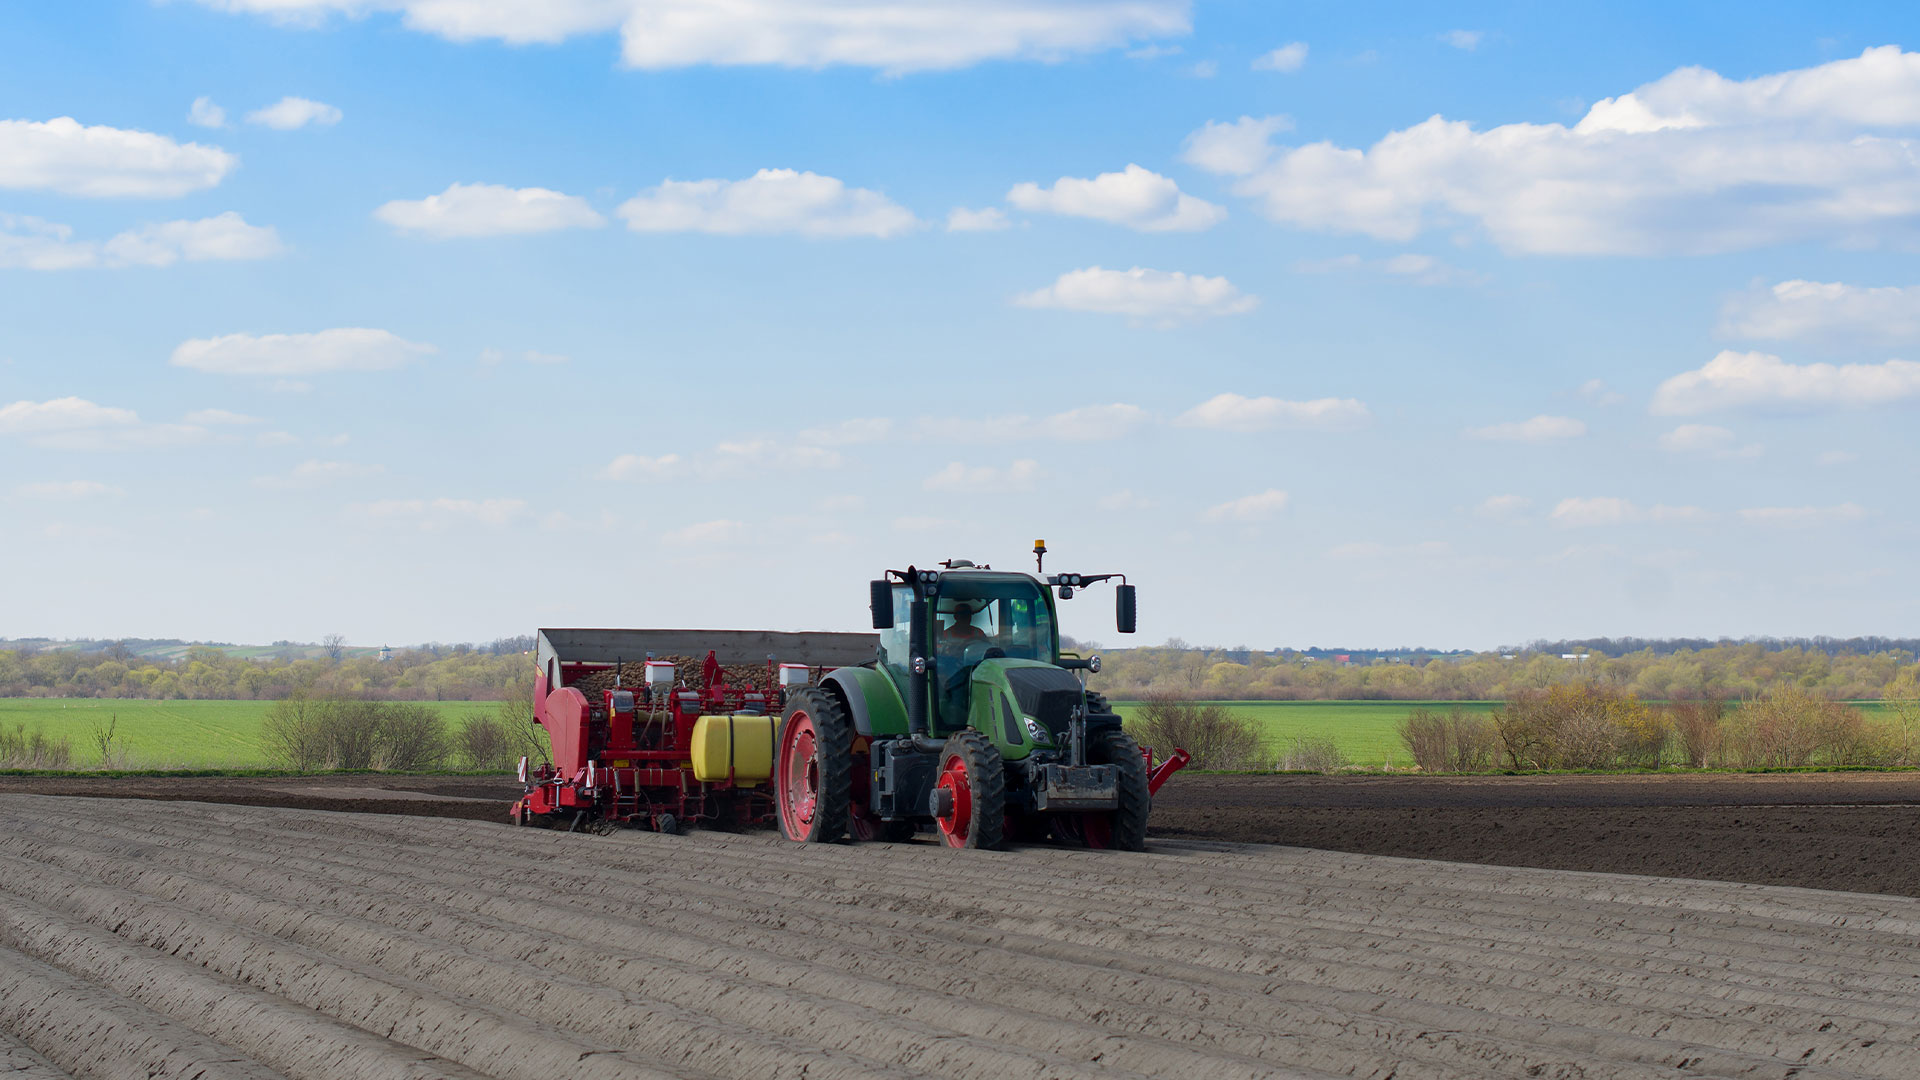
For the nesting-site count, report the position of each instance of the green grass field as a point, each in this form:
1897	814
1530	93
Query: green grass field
226	734
168	734
1368	732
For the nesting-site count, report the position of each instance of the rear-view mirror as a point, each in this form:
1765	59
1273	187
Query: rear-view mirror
881	598
1123	608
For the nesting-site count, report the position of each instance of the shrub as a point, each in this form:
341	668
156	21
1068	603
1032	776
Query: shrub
486	742
1779	729
1454	741
1215	737
1424	732
407	737
1697	723
1578	726
23	749
1313	753
309	733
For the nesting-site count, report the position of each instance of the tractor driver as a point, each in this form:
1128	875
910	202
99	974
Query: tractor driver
963	644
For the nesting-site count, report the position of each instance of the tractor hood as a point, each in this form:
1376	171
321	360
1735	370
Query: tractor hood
1044	692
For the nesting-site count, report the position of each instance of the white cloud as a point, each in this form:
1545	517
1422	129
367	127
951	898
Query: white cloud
73	423
1124	499
1706	439
1692	163
1018	476
344	349
1094	423
1135	197
1610	510
1836	457
848	432
1258	507
311	474
896	36
1289	57
1735	380
489	210
991	219
1597	392
293	113
28	243
1234	149
68	490
769	201
1091	423
62	156
707	533
1158	295
639	467
1205	69
1792	310
204	113
1540	429
442	513
760	454
1467	40
1236	412
219	417
1503	506
1803	515
226	237
1419	269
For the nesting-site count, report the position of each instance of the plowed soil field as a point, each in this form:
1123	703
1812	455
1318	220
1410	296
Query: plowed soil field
181	939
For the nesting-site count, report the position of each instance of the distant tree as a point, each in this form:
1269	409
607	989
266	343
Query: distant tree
335	644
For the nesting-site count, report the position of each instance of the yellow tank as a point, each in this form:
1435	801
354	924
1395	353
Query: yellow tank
740	747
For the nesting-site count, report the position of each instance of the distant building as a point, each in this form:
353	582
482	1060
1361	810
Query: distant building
1574	655
386	653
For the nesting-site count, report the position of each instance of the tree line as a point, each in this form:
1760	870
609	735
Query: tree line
425	673
1656	672
1729	670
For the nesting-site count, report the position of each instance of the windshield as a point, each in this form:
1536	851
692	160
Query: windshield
977	618
974	615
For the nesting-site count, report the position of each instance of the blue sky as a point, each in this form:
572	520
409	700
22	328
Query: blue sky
445	319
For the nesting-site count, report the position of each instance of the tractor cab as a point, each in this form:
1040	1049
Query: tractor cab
974	615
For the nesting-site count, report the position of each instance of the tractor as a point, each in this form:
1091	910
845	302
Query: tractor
970	721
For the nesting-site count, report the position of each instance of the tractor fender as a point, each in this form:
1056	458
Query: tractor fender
871	699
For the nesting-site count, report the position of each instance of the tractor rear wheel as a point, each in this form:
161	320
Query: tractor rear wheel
1124	828
974	780
812	768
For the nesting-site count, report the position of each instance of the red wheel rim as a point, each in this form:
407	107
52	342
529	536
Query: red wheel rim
956	826
1097	830
799	779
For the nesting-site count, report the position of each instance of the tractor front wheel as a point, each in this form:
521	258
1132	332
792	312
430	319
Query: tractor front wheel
971	788
812	768
1124	828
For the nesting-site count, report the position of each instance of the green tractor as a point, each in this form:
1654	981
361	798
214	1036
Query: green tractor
970	720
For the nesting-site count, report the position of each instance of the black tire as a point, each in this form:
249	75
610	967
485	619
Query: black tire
832	763
1097	702
1117	748
987	781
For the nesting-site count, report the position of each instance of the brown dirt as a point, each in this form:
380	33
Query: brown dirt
1858	832
222	941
